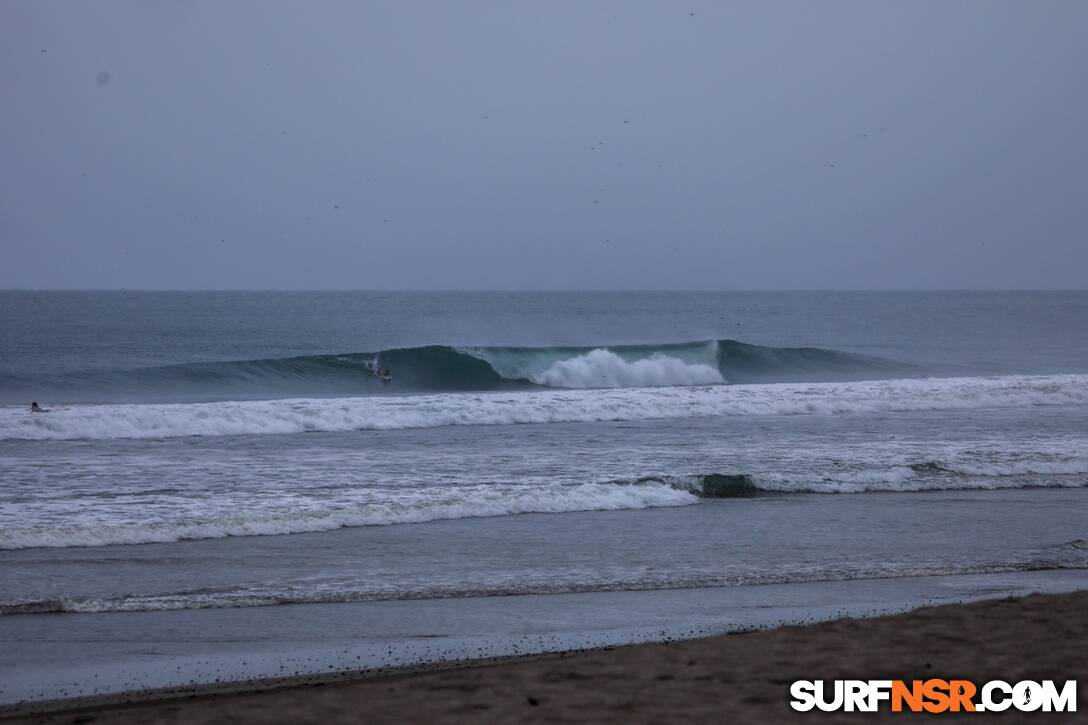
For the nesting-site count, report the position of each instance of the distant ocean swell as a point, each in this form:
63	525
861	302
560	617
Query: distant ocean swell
544	406
450	369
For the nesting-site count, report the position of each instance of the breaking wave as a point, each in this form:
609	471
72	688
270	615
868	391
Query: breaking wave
301	415
455	503
926	476
606	369
970	470
439	368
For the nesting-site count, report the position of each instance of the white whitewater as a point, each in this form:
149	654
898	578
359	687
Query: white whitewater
101	422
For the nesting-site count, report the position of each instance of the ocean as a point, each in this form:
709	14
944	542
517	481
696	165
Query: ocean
238	450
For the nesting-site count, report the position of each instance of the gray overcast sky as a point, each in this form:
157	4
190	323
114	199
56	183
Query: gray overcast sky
568	144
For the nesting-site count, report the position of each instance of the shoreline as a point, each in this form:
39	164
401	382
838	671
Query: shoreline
1037	636
475	634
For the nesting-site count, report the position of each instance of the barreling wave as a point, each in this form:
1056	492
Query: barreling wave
255	417
438	368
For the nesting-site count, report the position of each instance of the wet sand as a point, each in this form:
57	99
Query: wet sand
744	677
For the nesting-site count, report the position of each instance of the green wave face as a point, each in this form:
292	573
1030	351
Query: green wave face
440	368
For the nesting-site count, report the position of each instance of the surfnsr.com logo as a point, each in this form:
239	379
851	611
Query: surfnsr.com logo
933	695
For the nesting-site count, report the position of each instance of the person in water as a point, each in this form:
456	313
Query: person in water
386	376
35	408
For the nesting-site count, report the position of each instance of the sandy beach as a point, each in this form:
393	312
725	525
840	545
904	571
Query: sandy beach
742	676
567	362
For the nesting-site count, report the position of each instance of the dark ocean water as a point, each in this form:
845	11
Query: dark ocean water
152	345
194	438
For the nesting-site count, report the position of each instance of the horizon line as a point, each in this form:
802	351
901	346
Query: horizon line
448	290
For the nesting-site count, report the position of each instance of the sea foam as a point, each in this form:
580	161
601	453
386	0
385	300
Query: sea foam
605	369
455	503
299	415
305	415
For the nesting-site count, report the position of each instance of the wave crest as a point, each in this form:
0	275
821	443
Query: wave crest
439	368
603	368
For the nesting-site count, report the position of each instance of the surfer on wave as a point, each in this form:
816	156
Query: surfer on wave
35	408
383	374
